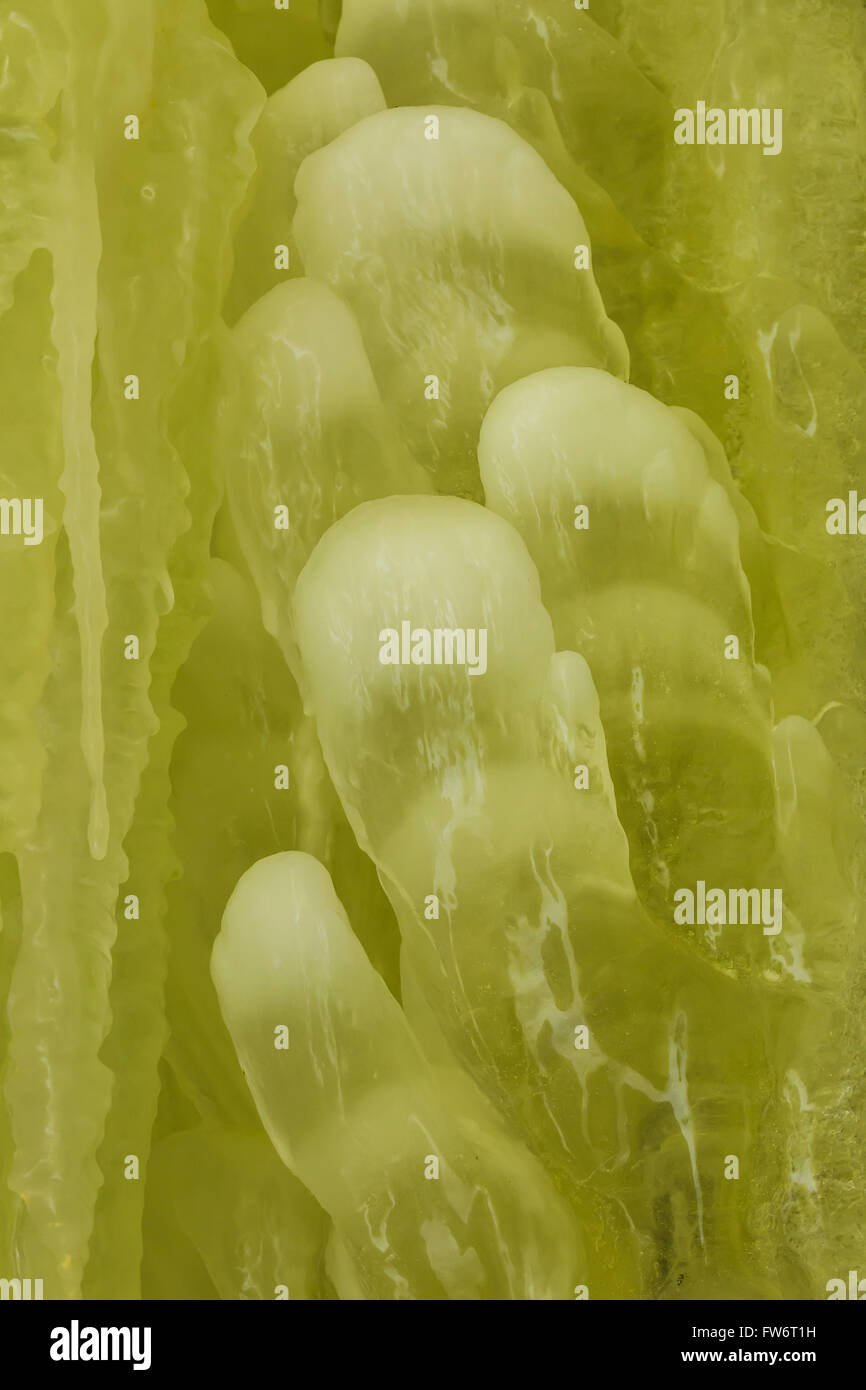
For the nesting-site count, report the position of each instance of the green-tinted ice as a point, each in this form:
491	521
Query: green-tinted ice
467	265
115	255
222	1202
647	583
485	801
544	67
391	279
816	1122
243	725
429	1195
318	104
276	39
714	261
638	551
308	437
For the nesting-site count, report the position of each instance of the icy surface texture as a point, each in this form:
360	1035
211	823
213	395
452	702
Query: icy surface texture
652	592
336	335
355	1110
93	294
457	254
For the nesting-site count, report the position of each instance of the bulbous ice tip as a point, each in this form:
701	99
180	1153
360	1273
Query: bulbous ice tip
282	919
438	564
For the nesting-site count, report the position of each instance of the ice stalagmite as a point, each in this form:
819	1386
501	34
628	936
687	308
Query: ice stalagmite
467	265
593	110
219	1199
307	437
485	801
244	725
636	535
430	1196
638	549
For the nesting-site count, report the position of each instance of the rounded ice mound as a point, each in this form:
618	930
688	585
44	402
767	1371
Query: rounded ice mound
467	265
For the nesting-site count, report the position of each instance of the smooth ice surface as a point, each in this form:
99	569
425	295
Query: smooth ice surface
457	255
355	1110
647	584
464	788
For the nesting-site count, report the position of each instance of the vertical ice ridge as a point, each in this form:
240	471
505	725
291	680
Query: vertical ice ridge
165	488
56	1087
119	562
56	1017
75	247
